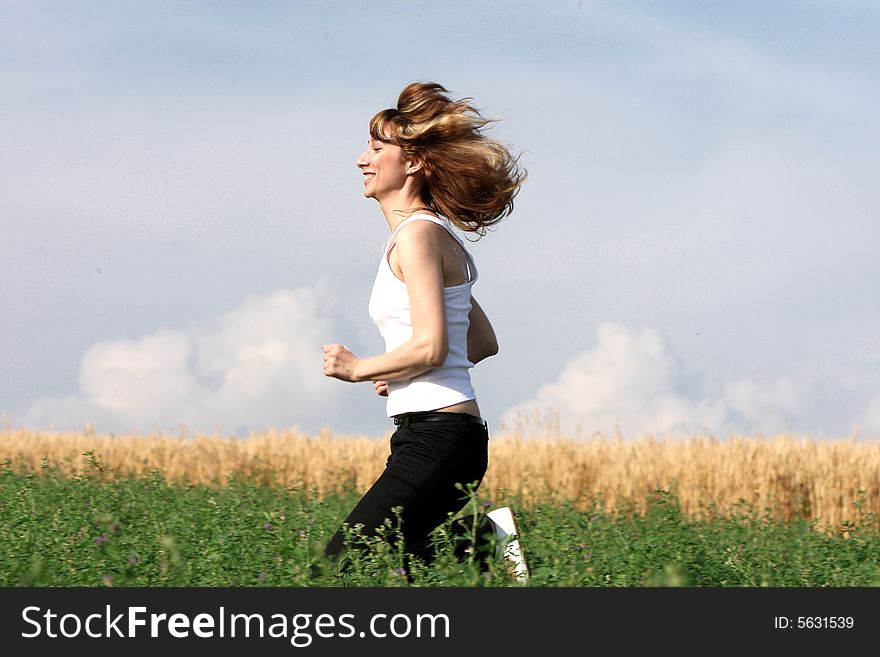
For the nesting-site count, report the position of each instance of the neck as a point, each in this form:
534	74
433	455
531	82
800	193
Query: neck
401	200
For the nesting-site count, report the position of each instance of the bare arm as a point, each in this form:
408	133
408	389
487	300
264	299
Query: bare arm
481	340
419	257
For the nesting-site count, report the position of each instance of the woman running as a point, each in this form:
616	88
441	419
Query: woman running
431	169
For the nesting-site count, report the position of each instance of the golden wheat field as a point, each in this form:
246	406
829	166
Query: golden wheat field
822	479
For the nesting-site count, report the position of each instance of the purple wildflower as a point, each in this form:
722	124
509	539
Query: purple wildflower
399	571
100	540
267	526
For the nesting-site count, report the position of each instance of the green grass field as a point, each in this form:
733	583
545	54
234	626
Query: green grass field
86	531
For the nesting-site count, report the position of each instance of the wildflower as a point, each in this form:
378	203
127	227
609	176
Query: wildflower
302	533
133	559
100	540
267	526
487	504
399	571
282	515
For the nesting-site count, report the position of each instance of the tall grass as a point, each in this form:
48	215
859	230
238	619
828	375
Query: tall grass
825	481
57	530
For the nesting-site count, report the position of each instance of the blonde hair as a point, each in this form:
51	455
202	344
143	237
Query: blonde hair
469	178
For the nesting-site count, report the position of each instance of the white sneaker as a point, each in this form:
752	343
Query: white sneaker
508	546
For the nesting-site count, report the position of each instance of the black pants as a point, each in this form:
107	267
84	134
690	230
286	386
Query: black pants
428	458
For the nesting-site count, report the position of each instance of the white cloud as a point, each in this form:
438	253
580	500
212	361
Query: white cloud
632	384
868	421
765	404
256	365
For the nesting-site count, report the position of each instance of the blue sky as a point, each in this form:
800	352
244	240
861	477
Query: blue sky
694	251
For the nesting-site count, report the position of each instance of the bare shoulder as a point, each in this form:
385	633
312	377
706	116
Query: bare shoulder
420	237
418	250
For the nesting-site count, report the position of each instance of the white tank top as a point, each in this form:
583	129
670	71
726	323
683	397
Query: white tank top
389	309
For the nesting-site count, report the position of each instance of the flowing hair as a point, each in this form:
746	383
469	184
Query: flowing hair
469	178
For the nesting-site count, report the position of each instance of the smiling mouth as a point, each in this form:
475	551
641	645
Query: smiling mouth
368	177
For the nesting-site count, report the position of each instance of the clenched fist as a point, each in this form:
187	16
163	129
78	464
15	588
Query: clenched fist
339	362
381	388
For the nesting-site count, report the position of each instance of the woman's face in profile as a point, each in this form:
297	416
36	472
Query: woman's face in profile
383	166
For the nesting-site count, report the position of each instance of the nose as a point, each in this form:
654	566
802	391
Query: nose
361	160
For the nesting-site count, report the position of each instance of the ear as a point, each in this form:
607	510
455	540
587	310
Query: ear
414	165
